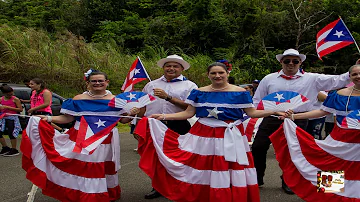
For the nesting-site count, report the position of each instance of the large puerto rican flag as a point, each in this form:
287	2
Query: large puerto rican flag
301	156
332	37
136	74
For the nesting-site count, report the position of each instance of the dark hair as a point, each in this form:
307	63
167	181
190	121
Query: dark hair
96	72
231	80
5	88
39	82
217	64
26	81
251	87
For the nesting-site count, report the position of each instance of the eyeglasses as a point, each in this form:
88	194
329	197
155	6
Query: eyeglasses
294	61
97	81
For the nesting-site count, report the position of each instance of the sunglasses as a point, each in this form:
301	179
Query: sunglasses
97	81
294	61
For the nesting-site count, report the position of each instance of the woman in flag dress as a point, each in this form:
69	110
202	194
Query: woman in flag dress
213	161
300	156
81	164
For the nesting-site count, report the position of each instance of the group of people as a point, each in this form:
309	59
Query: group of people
209	161
11	106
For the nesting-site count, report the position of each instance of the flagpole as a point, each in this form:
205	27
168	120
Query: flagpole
144	68
350	34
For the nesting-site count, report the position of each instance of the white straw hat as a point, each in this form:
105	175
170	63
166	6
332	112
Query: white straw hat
173	58
291	52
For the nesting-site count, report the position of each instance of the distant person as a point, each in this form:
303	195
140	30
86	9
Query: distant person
316	125
255	84
26	82
9	125
41	98
231	80
250	88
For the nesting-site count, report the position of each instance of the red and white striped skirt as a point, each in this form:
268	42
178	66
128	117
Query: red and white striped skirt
51	164
193	167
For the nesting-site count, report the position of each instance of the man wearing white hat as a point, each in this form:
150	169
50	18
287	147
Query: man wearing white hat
171	91
290	78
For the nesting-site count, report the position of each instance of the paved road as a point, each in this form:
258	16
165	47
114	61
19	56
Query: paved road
134	183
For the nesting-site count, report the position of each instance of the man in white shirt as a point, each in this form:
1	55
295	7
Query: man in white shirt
290	78
171	91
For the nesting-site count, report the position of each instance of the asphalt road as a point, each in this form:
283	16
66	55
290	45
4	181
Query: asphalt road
134	183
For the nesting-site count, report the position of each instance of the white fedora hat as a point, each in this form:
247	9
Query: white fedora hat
173	58
291	52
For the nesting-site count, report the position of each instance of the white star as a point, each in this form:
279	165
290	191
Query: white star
358	113
100	123
137	71
131	96
214	112
279	96
339	34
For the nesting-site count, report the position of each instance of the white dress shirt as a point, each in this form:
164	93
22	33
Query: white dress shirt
308	85
179	89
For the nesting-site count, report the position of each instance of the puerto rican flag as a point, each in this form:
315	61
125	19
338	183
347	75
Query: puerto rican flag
136	74
332	37
128	100
301	156
93	130
282	101
352	120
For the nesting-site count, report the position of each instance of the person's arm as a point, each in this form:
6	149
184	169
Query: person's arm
18	107
331	82
47	101
175	101
188	113
134	111
254	113
311	114
321	97
61	119
24	101
260	92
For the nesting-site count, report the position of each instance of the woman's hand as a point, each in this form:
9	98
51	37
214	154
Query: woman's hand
158	116
134	111
287	114
30	111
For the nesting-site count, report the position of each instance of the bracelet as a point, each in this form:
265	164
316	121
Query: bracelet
163	117
168	98
49	118
292	117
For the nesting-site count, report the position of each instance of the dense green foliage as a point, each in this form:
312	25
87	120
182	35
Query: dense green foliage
58	40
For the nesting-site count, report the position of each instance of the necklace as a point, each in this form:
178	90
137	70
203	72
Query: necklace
355	89
96	96
218	89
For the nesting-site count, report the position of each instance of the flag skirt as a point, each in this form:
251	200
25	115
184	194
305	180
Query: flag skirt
192	167
300	157
51	164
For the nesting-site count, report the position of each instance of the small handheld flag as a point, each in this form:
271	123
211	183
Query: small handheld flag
136	74
282	101
128	100
333	37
